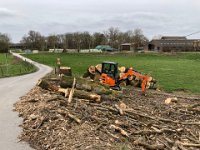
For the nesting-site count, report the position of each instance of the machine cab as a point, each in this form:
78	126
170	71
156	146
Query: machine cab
110	68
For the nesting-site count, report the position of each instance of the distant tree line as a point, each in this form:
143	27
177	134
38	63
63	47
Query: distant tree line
84	40
79	40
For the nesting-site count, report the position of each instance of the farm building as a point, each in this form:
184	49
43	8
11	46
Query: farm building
174	43
17	46
127	47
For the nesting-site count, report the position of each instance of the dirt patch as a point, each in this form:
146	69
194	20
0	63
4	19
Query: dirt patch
131	121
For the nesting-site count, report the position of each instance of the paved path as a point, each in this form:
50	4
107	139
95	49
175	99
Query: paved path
10	90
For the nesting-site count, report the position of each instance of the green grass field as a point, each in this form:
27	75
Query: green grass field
12	66
173	72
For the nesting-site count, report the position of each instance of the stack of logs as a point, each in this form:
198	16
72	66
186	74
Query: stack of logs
69	86
93	72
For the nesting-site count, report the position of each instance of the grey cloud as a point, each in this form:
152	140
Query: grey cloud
154	17
6	13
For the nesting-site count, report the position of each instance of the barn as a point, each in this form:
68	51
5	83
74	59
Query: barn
174	43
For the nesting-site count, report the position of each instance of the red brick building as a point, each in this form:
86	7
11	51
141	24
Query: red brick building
174	43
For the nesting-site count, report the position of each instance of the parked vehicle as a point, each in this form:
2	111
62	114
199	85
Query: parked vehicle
106	48
110	49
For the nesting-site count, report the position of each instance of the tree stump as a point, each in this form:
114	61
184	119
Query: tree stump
66	71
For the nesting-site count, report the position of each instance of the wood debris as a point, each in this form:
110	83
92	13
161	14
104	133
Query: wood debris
106	120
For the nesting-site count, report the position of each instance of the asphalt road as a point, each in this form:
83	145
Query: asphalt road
10	90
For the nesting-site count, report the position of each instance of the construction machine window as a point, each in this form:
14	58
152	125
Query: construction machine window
106	68
110	69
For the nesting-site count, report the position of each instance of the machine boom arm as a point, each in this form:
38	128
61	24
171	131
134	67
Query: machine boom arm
131	73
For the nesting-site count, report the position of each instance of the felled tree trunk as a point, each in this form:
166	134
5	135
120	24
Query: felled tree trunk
83	84
93	72
86	95
77	93
90	72
47	86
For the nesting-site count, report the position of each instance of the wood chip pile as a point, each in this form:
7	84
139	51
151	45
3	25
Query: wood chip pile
130	121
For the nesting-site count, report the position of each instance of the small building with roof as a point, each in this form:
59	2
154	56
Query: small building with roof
127	47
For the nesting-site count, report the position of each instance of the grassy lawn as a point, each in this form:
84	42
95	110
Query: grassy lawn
173	72
12	66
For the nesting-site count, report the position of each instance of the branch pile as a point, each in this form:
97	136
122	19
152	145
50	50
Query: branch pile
129	120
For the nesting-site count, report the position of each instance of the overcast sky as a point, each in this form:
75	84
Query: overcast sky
154	17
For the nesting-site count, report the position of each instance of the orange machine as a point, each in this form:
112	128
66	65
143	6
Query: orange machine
109	76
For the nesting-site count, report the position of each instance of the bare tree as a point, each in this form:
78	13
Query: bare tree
86	40
99	39
77	40
4	43
34	40
112	35
69	41
52	41
138	38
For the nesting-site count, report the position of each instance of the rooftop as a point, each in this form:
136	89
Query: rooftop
173	38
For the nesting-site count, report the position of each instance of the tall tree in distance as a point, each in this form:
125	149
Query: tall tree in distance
34	40
139	39
52	41
86	40
69	41
4	43
99	39
112	35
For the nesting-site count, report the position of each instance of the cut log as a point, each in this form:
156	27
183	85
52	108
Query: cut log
98	68
190	145
98	89
74	118
122	69
77	93
90	72
88	75
85	87
72	91
135	83
119	109
123	83
109	97
87	95
170	100
47	86
67	82
65	70
64	91
84	95
83	84
123	132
